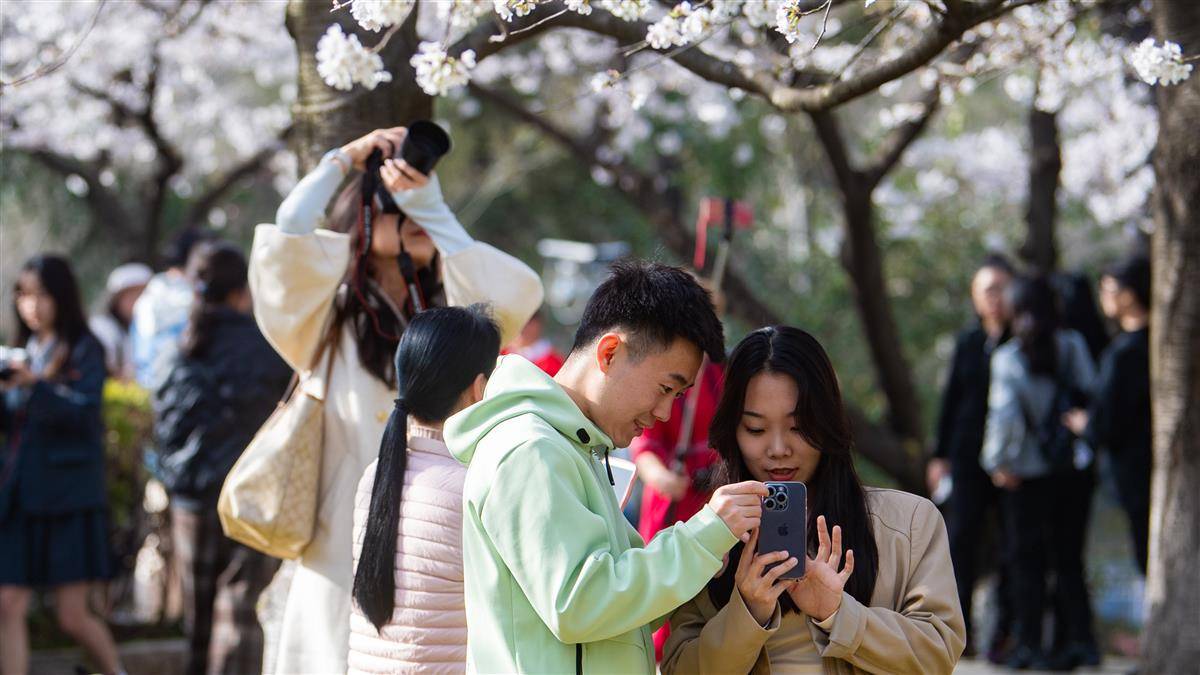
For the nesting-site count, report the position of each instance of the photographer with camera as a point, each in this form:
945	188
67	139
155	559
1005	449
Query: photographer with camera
53	503
391	247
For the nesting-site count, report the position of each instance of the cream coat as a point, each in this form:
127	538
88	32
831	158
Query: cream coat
428	629
913	624
294	279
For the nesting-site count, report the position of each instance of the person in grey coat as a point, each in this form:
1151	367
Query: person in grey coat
1036	377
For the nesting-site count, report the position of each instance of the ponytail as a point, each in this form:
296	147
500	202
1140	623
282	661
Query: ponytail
440	355
375	581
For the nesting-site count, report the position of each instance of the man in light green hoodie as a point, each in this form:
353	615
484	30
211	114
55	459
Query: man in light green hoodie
556	580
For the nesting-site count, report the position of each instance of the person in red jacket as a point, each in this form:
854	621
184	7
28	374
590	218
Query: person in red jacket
537	349
675	477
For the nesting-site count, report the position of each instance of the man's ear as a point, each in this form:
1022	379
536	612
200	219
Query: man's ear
475	391
606	351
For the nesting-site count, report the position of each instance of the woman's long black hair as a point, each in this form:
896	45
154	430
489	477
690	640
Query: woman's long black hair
439	356
1034	322
834	490
56	277
376	326
219	273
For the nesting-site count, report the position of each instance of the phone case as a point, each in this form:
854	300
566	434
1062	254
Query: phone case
784	519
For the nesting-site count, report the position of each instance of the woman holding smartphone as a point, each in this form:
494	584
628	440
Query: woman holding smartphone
878	592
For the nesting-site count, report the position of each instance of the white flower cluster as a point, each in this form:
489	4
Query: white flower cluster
1159	64
342	61
759	13
374	15
627	10
437	72
583	7
788	16
507	9
462	14
682	25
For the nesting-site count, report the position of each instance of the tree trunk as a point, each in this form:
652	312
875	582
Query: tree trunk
1045	161
325	117
863	262
1172	643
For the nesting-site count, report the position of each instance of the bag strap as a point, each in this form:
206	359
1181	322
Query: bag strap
328	345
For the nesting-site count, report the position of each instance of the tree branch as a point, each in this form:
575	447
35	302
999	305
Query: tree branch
900	140
480	39
246	168
823	96
107	210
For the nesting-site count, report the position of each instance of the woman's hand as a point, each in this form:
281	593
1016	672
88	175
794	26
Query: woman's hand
387	140
819	593
20	376
761	590
399	176
1005	480
1076	420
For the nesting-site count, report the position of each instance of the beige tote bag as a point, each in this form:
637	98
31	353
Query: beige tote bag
269	499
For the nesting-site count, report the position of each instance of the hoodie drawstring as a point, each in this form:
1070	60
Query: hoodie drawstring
611	481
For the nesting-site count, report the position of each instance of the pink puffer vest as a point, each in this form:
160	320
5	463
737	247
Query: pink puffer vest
428	629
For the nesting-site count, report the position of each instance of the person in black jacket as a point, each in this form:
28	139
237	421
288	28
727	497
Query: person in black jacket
223	385
960	436
1118	420
53	504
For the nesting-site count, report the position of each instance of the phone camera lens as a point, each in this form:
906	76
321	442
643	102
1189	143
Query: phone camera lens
769	503
781	498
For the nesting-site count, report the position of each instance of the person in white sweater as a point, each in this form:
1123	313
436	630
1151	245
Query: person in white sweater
308	283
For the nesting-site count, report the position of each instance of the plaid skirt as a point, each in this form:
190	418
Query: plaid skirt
222	580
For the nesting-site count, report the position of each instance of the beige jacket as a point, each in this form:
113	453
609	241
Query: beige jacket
294	279
914	623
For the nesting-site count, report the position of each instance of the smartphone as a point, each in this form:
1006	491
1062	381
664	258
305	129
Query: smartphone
784	519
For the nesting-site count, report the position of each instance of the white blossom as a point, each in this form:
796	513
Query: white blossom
1159	64
583	7
627	10
437	72
507	9
374	15
667	32
342	61
602	81
697	24
788	16
759	13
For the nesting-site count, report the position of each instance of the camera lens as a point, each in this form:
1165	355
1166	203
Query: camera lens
781	498
769	504
424	145
772	489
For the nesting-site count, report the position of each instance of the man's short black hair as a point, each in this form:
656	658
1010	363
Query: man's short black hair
655	304
1133	274
998	261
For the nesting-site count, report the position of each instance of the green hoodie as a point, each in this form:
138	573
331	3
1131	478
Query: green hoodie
557	581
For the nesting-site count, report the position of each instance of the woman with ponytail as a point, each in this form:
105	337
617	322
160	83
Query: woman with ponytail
408	581
222	386
878	593
390	246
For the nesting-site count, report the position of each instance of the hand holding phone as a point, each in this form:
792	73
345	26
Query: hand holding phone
758	578
784	520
